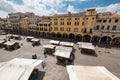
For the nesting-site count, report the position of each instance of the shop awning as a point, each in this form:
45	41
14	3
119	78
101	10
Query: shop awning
35	40
64	52
18	69
86	46
49	46
89	73
9	43
54	42
67	44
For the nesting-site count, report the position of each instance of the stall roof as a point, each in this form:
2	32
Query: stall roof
63	53
86	46
85	43
18	69
16	35
2	37
9	43
49	46
67	44
30	37
89	73
63	48
54	42
34	40
2	41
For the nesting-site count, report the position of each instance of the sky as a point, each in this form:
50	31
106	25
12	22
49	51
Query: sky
50	7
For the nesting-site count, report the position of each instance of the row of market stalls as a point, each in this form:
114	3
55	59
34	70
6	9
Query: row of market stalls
19	69
62	50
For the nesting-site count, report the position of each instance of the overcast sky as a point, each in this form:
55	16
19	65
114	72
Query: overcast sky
49	7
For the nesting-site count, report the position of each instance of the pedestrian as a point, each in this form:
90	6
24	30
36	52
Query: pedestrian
45	54
43	65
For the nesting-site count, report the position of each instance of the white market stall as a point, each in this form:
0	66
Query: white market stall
19	69
49	48
67	44
77	72
63	54
29	38
11	45
35	41
87	47
54	42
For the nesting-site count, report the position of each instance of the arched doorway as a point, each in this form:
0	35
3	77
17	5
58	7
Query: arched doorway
95	39
65	36
71	36
53	34
78	37
47	34
86	38
116	41
105	40
58	35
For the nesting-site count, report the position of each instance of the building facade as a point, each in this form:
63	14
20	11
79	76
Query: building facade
107	29
74	26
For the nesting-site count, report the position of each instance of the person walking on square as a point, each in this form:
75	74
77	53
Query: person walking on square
43	65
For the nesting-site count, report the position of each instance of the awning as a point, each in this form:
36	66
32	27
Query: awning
54	42
35	40
2	41
62	51
89	73
49	46
9	43
18	69
67	44
30	37
86	46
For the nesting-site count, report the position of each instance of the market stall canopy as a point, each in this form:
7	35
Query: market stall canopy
49	46
16	35
85	43
2	41
86	46
63	48
67	44
3	37
63	52
89	73
9	43
30	37
35	40
54	42
18	69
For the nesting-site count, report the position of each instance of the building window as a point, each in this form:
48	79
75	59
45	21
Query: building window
62	29
116	20
83	24
68	18
68	23
109	20
61	23
56	28
76	23
90	30
86	18
104	21
68	29
102	27
108	27
55	23
85	30
93	18
114	27
75	29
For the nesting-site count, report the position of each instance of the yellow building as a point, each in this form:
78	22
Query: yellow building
74	26
24	25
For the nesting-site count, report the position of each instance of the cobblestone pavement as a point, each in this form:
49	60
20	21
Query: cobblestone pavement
110	58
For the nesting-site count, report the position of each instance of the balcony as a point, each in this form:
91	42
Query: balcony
107	31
